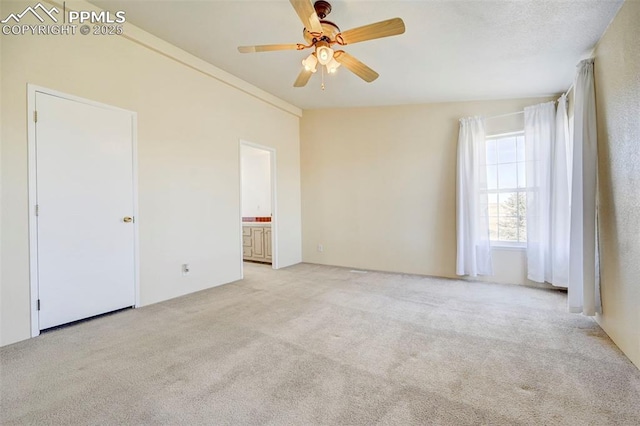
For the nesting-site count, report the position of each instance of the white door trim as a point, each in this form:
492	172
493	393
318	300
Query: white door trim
274	203
32	89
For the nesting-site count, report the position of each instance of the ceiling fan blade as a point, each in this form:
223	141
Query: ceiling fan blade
307	15
387	28
303	78
268	48
355	66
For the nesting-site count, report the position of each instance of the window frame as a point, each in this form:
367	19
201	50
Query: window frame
503	244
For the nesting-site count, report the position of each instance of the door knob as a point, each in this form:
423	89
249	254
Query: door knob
127	219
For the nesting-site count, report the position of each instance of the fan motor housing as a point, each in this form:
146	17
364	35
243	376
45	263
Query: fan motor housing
329	30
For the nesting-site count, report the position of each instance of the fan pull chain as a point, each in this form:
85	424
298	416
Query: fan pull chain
322	70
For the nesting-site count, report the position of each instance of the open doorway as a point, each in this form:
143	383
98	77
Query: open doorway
258	204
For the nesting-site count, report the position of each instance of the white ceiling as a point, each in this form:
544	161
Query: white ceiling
451	51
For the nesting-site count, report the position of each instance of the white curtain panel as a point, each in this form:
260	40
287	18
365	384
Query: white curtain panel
473	249
584	290
539	134
560	198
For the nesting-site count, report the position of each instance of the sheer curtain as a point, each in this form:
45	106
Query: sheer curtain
546	134
473	249
539	134
584	289
560	198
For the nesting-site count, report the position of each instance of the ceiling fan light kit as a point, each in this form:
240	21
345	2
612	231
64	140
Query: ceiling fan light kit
310	63
332	66
324	54
321	35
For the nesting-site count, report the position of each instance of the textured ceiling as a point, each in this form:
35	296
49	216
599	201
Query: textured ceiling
451	51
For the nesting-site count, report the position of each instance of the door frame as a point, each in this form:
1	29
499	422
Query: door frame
274	204
32	89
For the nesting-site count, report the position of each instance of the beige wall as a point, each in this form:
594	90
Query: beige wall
189	127
1	203
379	186
617	77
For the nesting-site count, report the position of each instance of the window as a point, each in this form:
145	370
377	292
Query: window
506	189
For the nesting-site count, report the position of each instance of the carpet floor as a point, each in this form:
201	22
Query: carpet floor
314	344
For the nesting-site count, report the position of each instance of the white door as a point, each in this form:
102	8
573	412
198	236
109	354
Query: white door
84	184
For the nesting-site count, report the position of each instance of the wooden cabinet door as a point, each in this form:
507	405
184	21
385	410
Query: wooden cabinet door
256	243
267	243
247	243
257	234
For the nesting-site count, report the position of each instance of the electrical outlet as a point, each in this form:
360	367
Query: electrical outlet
320	248
185	269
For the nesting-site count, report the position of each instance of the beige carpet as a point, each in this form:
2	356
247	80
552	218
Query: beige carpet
321	345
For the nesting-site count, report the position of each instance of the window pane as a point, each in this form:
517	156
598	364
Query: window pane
483	206
523	229
521	148
522	175
522	204
508	228
492	177
506	171
493	228
492	157
493	204
509	220
508	175
507	150
508	204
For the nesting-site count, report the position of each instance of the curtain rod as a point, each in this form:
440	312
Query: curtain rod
569	90
505	115
522	112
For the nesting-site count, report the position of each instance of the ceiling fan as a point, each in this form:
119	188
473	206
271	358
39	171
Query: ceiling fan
322	35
